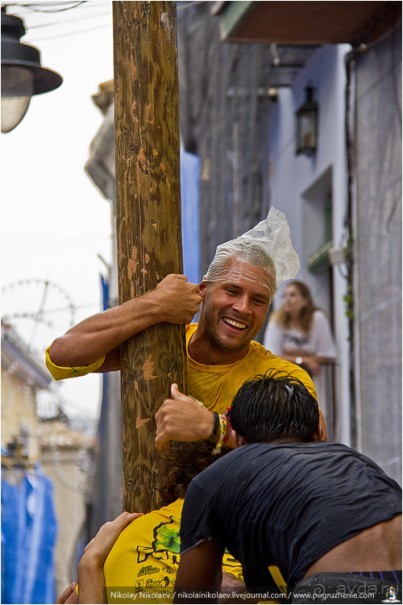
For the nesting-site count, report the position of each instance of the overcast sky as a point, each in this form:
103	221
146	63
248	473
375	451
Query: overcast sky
55	222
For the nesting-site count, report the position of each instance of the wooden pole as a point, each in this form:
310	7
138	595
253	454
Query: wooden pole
148	222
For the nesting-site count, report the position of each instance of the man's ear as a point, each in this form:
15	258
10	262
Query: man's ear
202	289
322	429
239	440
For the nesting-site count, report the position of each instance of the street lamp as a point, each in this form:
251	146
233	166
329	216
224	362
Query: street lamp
21	72
307	125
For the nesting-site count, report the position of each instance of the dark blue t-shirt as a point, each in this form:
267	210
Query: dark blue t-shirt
286	505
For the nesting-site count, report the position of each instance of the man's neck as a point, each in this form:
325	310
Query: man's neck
239	440
202	351
285	440
279	441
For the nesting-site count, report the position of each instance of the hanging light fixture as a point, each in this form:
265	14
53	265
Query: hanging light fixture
21	72
307	125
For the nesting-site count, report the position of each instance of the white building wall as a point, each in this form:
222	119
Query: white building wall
299	185
19	419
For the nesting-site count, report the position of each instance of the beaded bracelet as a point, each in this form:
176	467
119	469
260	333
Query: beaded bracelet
214	433
225	431
228	431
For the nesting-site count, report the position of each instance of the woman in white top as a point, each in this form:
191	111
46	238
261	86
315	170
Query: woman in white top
300	332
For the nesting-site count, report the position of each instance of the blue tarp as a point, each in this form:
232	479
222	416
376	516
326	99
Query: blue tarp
28	537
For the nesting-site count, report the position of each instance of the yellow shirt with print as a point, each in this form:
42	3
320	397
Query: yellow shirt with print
142	565
213	385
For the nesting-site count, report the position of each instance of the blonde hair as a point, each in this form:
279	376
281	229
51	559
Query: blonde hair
251	254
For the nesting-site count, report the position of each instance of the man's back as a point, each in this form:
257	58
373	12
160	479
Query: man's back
286	505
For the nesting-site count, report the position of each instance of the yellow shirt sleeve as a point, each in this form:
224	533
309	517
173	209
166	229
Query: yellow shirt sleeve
60	373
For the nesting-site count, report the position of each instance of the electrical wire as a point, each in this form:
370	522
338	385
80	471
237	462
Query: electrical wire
75	20
83	9
58	10
64	2
84	4
74	33
30	315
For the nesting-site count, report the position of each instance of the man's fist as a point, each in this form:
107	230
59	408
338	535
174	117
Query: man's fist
178	298
182	418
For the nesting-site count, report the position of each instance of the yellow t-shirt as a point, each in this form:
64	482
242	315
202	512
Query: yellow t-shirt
213	385
216	385
142	565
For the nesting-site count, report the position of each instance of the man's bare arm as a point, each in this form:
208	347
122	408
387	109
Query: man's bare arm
199	574
174	300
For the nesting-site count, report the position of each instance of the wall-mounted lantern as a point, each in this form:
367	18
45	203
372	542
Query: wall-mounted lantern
307	125
21	72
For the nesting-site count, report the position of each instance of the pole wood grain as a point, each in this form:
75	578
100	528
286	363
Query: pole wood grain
148	223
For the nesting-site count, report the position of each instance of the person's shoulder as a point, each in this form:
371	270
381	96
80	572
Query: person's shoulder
264	360
214	474
142	529
345	450
262	354
338	449
166	514
139	536
319	316
260	350
275	324
266	356
319	313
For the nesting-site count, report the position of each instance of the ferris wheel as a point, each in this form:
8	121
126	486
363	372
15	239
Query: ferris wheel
38	309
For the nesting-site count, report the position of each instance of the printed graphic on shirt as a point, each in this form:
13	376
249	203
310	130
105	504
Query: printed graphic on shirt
293	341
151	564
165	547
154	568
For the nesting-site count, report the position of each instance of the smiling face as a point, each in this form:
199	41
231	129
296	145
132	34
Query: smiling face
232	313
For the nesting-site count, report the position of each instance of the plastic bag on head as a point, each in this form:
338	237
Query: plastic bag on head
267	245
273	235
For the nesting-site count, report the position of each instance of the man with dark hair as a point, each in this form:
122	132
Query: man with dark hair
273	407
326	515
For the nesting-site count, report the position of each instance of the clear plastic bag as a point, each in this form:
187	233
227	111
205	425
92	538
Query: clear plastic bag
267	246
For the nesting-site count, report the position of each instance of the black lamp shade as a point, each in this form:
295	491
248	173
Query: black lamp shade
21	72
17	86
307	125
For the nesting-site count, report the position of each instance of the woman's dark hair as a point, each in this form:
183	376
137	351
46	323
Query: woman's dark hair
273	406
176	467
283	318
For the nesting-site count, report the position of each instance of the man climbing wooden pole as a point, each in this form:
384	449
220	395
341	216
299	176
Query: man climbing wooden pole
148	221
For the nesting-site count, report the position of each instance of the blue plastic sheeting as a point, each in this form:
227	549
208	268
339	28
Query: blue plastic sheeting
29	530
190	176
